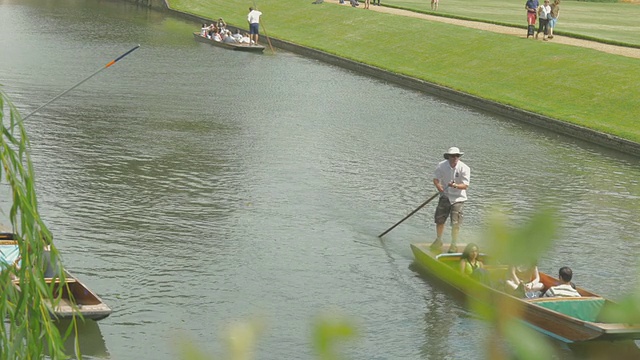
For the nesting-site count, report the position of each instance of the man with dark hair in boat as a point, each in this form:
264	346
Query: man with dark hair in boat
254	24
565	288
451	178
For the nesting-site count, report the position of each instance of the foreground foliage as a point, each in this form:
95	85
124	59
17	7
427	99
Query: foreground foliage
29	331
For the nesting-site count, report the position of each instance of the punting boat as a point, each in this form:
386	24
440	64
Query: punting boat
72	291
232	46
567	319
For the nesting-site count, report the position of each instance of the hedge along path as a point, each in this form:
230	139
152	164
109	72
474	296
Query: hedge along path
611	49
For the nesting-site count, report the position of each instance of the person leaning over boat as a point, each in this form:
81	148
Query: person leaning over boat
254	24
565	288
451	178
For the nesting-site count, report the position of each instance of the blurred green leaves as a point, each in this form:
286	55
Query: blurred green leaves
524	244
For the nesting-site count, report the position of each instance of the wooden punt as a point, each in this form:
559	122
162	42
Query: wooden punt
231	46
570	320
72	291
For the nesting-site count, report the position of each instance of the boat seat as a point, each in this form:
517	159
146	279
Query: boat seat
583	308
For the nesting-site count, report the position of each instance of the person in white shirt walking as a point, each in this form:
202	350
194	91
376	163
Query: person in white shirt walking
451	178
254	24
543	18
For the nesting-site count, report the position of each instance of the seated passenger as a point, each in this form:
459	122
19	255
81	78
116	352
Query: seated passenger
221	24
237	35
245	39
524	280
204	30
228	38
469	260
216	36
565	288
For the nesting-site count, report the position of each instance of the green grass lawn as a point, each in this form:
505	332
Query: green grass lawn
611	22
577	85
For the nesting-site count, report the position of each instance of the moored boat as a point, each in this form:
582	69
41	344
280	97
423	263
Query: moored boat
75	296
231	46
567	319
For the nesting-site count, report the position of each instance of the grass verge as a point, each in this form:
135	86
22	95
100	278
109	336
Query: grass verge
576	85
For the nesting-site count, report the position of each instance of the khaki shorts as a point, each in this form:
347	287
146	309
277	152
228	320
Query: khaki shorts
445	209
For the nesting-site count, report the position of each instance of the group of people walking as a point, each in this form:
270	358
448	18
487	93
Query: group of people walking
547	16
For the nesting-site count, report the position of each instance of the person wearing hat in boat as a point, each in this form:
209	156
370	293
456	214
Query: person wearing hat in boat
451	178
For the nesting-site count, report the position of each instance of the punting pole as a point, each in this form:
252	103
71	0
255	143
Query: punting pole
81	82
411	213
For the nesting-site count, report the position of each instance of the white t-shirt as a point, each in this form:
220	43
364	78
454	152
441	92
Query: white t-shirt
563	290
544	12
254	17
461	174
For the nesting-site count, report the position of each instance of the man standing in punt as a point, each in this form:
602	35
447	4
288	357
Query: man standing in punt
254	24
451	178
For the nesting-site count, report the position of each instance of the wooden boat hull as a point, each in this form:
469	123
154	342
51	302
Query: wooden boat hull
73	291
537	313
88	303
230	46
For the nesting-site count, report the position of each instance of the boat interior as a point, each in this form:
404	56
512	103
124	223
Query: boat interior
586	308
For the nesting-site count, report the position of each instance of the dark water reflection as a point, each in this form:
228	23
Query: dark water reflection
193	187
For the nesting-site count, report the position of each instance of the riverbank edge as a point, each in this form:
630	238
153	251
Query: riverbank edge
578	132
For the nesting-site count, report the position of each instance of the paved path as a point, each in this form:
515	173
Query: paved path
612	49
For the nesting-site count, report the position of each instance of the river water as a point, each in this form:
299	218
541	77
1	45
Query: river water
194	187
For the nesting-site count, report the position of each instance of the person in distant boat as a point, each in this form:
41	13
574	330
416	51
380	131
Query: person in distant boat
524	280
237	35
204	31
221	24
565	288
469	262
254	24
216	36
451	178
228	38
245	39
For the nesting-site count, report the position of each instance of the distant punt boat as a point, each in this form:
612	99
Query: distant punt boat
569	319
73	291
231	46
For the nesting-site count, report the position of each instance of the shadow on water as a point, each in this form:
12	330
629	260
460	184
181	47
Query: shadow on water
445	299
90	339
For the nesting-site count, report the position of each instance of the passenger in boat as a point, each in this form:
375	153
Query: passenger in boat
237	35
565	288
451	178
469	261
228	38
216	36
254	24
221	24
525	280
204	31
245	39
